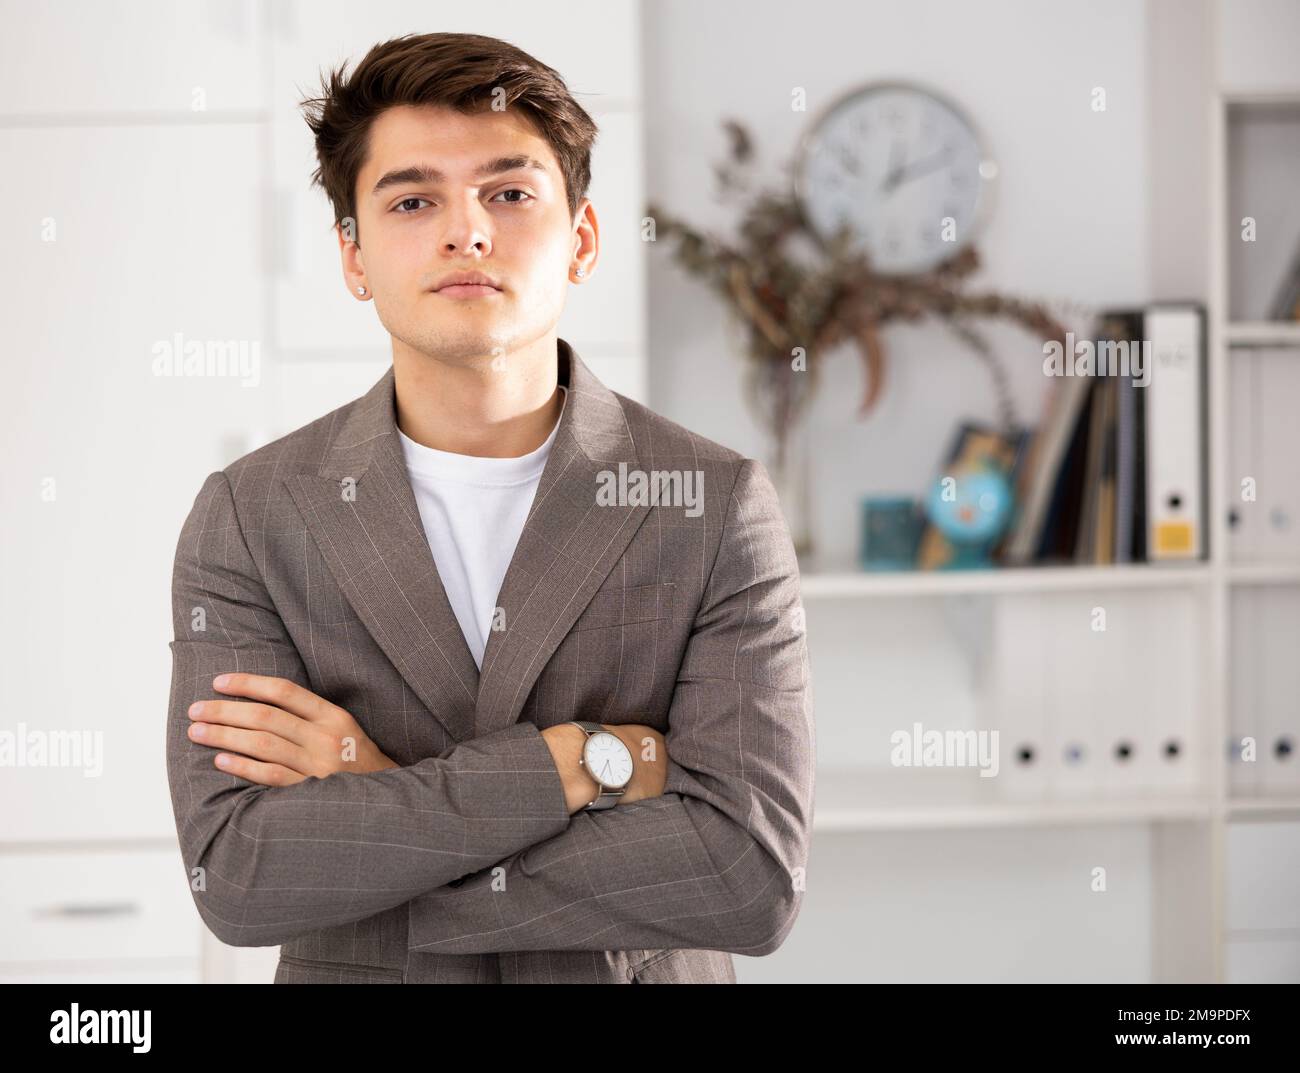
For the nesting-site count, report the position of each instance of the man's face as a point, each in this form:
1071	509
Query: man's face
414	230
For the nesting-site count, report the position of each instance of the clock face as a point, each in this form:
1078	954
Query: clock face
608	760
903	169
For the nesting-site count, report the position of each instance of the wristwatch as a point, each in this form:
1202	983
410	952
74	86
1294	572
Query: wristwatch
608	760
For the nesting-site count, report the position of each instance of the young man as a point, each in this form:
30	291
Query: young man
492	674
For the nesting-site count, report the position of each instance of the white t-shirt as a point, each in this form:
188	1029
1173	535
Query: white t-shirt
473	510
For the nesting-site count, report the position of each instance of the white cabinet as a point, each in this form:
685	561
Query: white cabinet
131	60
1262	944
98	916
159	200
121	240
1258	44
1263	874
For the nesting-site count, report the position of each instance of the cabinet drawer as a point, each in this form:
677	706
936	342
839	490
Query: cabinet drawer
1263	864
1264	961
97	973
94	905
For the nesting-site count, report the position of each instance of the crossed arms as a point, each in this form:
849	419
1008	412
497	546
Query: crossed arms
715	861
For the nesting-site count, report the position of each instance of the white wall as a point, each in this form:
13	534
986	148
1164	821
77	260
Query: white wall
1069	221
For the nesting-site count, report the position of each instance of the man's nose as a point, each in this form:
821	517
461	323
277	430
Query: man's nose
465	228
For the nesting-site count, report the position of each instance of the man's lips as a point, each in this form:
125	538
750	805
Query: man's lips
467	290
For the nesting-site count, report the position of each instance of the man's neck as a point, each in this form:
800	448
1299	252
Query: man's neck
491	413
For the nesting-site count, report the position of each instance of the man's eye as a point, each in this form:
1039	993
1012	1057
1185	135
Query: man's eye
515	191
406	201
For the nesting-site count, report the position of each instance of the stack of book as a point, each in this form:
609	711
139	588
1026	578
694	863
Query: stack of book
1115	472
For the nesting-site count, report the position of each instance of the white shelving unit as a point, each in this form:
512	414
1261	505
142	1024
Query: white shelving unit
940	801
1184	821
1241	920
1261	333
849	584
1193	925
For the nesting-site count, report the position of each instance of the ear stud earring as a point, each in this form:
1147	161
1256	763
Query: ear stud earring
579	271
361	290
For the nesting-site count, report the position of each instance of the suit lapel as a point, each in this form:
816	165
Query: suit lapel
374	542
568	546
362	514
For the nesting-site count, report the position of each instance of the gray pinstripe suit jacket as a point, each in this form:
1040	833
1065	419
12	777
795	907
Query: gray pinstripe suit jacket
464	864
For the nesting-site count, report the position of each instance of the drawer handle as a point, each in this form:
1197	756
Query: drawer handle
103	909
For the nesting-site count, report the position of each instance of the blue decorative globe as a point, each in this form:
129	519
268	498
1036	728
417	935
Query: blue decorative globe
974	514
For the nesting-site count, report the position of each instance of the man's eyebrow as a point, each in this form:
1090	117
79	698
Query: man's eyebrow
422	173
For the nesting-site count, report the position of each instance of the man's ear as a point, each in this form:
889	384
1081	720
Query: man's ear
354	268
579	213
347	231
586	234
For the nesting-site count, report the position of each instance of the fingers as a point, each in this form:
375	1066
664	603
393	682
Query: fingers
255	771
279	692
255	744
249	716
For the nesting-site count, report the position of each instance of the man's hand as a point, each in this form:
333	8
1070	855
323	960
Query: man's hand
291	735
649	762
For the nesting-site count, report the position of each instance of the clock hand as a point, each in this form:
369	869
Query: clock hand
851	163
917	168
895	165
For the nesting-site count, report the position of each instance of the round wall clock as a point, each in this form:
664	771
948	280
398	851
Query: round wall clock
905	170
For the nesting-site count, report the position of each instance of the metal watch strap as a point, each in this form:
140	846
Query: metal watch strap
606	798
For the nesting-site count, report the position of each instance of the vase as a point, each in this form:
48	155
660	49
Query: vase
789	465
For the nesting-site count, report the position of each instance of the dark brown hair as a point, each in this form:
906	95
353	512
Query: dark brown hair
467	72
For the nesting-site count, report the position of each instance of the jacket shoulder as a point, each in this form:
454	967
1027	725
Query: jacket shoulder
298	452
743	483
663	442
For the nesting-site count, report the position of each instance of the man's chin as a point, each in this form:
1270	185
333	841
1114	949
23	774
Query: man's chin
471	350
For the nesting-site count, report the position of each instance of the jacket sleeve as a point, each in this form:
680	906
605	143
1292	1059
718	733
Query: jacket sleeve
268	863
717	861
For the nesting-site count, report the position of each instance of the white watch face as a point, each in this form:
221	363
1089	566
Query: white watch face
608	760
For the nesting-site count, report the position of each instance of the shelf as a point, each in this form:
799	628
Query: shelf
1262	333
1260	806
1264	573
908	800
849	583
